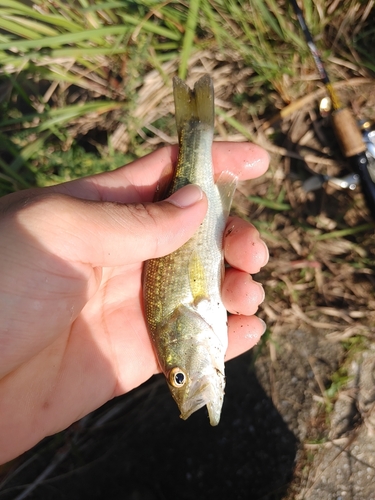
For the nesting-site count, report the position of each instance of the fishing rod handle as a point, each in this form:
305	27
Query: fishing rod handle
347	133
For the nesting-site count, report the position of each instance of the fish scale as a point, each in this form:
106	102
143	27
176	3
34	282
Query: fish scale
182	291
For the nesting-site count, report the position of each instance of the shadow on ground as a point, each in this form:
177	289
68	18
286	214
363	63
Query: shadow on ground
149	453
275	440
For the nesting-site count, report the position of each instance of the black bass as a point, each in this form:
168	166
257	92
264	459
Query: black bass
182	291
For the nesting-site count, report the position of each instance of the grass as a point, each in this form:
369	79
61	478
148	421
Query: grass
85	86
64	62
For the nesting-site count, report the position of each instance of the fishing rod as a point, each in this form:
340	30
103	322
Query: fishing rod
346	130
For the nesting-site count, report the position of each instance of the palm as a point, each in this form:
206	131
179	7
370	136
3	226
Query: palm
105	351
114	321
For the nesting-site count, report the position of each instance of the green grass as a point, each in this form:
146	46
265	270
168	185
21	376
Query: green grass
49	51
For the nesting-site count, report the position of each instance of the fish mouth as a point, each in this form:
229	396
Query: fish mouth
207	390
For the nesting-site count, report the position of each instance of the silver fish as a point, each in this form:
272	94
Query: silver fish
182	291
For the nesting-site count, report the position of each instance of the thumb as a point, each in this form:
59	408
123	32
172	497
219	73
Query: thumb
111	234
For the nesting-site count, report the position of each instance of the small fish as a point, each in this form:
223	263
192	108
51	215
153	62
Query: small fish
182	291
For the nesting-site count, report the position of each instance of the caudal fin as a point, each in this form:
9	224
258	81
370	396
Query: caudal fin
195	104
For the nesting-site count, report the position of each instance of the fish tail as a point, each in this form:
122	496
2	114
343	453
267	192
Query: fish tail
194	105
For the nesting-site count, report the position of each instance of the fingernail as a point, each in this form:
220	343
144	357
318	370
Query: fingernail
264	325
186	196
262	291
267	253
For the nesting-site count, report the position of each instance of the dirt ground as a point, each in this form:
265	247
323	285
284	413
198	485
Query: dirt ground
335	457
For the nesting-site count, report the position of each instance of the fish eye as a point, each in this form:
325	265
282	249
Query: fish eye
177	377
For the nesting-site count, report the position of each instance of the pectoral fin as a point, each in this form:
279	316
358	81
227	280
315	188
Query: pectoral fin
226	184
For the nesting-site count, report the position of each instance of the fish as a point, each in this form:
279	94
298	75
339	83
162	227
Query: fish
186	317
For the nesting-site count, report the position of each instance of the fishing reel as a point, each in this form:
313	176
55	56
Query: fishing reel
352	180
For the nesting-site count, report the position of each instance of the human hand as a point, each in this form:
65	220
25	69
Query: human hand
72	332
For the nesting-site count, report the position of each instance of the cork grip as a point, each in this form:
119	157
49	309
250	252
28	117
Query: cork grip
347	133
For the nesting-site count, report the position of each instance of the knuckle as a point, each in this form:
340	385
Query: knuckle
148	216
144	213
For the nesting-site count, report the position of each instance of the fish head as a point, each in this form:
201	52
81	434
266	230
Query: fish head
195	365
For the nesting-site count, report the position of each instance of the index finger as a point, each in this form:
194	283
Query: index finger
137	181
